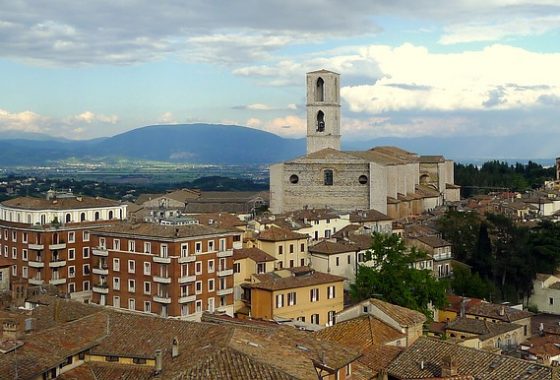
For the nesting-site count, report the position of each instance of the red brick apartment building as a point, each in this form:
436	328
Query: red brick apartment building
48	239
176	271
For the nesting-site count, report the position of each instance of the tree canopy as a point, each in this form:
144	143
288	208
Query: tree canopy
393	278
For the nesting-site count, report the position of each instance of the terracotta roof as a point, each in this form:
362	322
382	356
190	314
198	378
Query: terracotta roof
159	231
454	302
108	371
286	279
77	202
495	311
255	254
544	345
332	248
219	220
312	214
484	329
368	216
433	241
402	315
279	234
480	364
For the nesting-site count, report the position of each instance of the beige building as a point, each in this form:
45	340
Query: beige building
247	262
287	247
337	258
300	294
546	293
348	181
478	333
491	312
439	251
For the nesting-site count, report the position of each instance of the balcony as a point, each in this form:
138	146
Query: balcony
186	299
187	279
162	280
36	247
161	260
100	251
104	271
225	253
36	264
58	281
162	299
57	246
36	281
225	272
57	263
224	292
187	259
103	289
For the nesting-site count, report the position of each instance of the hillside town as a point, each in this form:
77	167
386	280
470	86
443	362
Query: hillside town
355	265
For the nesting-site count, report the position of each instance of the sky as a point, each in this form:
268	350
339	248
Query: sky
87	69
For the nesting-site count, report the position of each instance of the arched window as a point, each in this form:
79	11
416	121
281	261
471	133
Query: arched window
29	218
320	121
110	215
97	215
83	217
120	214
328	177
320	90
68	218
43	219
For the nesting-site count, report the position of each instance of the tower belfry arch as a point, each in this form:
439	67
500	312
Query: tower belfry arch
323	110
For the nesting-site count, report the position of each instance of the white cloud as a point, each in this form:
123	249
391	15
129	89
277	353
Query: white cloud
167	118
90	117
26	121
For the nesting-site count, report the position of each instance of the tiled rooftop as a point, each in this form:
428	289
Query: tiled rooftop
279	234
286	279
403	315
499	312
78	202
331	248
159	231
254	253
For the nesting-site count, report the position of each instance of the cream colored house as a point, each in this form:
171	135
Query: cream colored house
546	293
337	258
287	247
300	294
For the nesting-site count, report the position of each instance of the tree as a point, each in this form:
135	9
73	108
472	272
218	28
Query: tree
394	279
468	284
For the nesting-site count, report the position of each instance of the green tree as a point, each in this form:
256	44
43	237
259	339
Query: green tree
394	279
469	284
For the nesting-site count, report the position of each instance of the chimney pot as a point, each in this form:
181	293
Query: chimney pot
159	360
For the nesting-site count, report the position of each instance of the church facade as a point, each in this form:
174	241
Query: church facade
387	179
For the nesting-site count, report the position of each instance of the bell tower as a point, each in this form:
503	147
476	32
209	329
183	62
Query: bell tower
323	110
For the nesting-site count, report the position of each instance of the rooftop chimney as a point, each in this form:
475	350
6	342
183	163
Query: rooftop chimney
449	366
175	348
502	310
28	325
9	329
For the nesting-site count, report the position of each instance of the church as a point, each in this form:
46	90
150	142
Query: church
387	179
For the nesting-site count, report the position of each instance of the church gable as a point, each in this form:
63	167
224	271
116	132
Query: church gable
328	155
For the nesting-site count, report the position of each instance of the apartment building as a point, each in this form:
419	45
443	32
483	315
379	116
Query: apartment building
300	294
287	247
48	239
439	251
176	271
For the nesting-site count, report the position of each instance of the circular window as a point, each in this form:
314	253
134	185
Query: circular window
362	179
294	179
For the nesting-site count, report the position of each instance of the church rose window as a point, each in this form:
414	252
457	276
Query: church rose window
294	179
362	179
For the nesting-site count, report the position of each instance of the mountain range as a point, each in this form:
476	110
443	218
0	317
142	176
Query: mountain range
236	145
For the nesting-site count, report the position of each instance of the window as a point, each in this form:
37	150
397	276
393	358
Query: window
294	179
72	271
163	250
349	259
362	179
14	270
279	300
302	247
331	292
116	244
314	294
291	263
211	304
198	247
337	261
116	301
14	253
71	287
211	285
328	177
71	254
96	215
85	253
198	267
85	236
147	247
211	266
24	272
147	287
24	255
261	268
550	301
302	262
315	319
320	90
24	237
116	265
131	266
147	269
184	310
280	249
131	304
291	248
198	287
147	306
330	318
102	242
116	283
198	305
86	285
184	250
291	298
222	244
210	245
131	286
327	234
237	268
320	121
131	246
71	237
14	236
